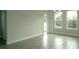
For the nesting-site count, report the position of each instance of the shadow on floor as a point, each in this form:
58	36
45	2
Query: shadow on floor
2	43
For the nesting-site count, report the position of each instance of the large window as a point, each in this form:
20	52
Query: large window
71	20
58	19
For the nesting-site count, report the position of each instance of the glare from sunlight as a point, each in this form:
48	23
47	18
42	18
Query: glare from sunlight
45	22
58	42
71	44
45	40
71	15
45	37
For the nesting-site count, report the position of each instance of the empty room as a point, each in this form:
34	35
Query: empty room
39	29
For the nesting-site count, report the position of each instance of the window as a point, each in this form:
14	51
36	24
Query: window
58	19
71	19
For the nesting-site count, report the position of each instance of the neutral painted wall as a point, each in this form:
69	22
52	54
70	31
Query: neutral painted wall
24	23
0	25
64	30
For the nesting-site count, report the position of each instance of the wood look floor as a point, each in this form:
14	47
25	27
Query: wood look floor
47	41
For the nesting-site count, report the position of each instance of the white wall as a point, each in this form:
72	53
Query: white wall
64	30
24	23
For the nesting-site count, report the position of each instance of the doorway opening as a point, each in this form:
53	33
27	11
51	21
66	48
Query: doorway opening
45	36
45	22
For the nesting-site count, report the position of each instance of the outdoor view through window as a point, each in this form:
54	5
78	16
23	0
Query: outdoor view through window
71	19
58	19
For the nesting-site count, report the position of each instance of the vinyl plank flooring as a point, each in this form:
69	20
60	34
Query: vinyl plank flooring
47	41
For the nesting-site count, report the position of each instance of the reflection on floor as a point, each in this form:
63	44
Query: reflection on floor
47	41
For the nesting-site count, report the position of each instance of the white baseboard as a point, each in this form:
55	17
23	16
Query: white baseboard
24	38
74	35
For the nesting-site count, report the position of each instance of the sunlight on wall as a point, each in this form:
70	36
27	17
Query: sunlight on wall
45	26
45	22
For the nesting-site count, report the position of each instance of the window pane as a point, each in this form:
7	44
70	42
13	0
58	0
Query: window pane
71	19
58	19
